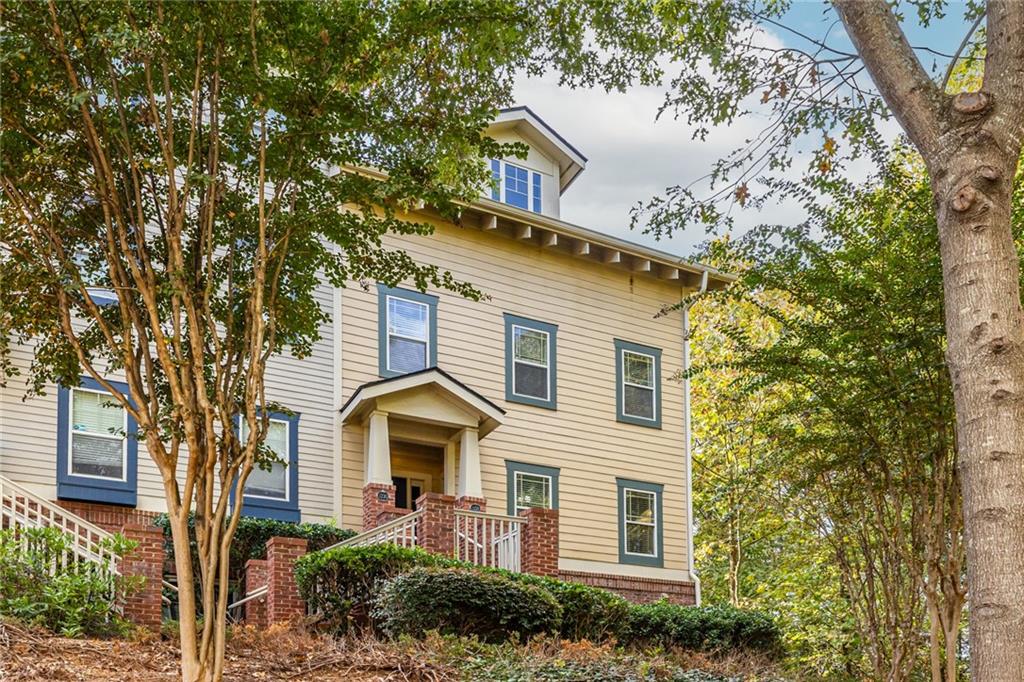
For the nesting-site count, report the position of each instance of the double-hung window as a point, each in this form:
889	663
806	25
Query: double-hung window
640	530
271	490
638	379
516	186
97	448
408	331
530	485
530	361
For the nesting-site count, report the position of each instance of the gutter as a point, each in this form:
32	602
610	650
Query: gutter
688	442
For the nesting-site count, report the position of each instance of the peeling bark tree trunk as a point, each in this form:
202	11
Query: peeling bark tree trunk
971	144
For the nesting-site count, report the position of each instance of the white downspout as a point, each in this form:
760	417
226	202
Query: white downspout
688	440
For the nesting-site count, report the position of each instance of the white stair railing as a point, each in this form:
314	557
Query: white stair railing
493	540
89	547
401	531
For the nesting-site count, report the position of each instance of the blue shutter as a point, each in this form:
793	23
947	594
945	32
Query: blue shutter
536	192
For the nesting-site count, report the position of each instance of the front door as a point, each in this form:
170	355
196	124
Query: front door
408	488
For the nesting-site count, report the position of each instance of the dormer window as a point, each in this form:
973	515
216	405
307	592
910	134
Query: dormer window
516	186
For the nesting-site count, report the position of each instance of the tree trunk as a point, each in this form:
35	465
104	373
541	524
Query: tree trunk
985	332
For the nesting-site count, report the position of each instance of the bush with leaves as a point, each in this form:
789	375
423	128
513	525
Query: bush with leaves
464	602
250	539
341	583
701	628
587	612
43	583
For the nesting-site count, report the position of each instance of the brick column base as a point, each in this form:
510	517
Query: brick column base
283	601
435	530
257	575
471	503
144	607
540	542
379	505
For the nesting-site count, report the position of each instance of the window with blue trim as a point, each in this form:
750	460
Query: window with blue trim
640	522
638	384
97	445
530	485
272	490
516	186
531	353
407	330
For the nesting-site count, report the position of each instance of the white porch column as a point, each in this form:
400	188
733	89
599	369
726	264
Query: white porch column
450	450
469	464
377	447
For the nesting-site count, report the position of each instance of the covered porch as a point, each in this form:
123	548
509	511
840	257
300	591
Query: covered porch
421	434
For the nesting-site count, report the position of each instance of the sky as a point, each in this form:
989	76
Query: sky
632	157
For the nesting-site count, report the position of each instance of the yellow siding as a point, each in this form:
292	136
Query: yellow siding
592	305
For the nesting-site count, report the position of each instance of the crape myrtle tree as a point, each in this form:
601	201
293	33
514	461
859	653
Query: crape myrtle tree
204	166
816	88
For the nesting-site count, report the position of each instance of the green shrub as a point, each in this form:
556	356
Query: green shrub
251	535
341	584
463	602
587	612
72	599
701	628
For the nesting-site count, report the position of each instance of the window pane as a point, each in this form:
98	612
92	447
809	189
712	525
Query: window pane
496	175
267	483
639	402
516	188
536	192
96	413
532	491
530	345
273	483
407	318
405	355
639	506
531	380
97	456
639	539
638	369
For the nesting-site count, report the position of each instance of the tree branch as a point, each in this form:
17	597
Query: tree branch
912	96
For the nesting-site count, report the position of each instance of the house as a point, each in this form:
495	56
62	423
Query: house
557	390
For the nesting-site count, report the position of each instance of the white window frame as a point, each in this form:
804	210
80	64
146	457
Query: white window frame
547	367
287	457
653	388
109	436
515	491
529	185
387	329
626	522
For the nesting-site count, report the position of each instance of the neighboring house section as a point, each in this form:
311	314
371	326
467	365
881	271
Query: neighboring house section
558	389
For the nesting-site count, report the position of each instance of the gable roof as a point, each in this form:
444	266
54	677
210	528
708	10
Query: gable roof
490	416
533	128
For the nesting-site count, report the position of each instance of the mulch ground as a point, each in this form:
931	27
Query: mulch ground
276	654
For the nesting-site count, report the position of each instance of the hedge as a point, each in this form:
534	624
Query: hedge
457	601
251	535
340	584
701	628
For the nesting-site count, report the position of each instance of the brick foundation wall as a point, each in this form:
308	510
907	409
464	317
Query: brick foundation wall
109	517
283	601
636	589
540	542
143	607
